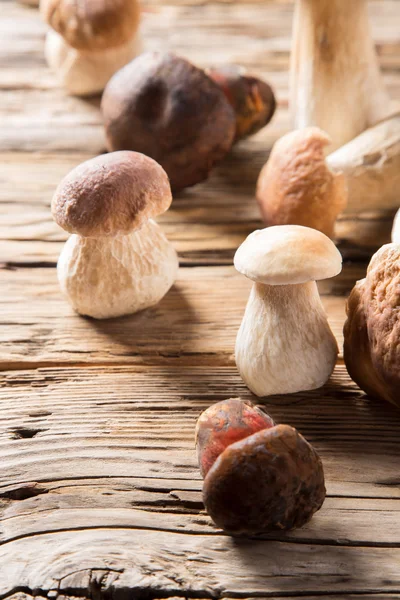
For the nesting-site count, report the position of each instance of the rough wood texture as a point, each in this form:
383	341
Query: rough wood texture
100	495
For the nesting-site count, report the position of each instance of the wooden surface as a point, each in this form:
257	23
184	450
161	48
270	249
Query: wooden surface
100	495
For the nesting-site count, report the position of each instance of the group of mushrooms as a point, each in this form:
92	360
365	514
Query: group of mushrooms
167	123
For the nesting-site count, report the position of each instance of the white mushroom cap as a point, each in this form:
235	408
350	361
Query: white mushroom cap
288	254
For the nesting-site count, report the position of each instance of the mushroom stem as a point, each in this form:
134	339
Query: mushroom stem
86	72
284	344
371	166
335	78
107	277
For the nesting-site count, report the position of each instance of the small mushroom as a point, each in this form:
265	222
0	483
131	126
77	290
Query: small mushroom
284	344
90	40
396	228
225	423
167	108
251	98
336	82
117	261
372	328
296	186
370	164
271	479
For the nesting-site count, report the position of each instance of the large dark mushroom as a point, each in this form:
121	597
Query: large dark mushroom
165	107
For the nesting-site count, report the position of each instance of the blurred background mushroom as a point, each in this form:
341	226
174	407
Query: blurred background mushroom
90	40
296	186
251	98
370	164
336	82
162	105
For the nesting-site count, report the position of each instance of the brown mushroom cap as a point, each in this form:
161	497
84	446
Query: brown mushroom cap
92	24
111	194
223	424
165	107
270	480
372	329
296	187
251	98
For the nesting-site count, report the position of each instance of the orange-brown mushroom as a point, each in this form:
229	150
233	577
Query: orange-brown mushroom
296	187
251	98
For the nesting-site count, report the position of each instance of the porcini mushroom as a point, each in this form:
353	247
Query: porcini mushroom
335	78
396	228
167	108
223	424
370	164
271	479
90	40
117	261
372	329
251	98
284	344
296	187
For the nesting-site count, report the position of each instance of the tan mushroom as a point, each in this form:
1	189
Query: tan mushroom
372	329
284	344
296	186
370	164
90	40
336	83
117	261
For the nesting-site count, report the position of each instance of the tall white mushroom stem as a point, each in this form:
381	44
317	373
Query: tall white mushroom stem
284	344
335	83
105	277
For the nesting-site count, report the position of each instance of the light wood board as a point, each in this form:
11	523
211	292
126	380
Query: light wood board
100	494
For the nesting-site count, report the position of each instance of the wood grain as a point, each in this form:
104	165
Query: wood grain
197	320
99	474
100	494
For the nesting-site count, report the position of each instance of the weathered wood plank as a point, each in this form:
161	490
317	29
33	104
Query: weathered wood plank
138	422
206	224
165	563
199	316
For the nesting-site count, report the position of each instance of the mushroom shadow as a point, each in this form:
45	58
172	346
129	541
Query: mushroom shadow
283	566
164	330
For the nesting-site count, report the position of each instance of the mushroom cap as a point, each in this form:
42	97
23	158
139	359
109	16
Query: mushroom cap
167	108
92	24
287	254
271	480
372	329
111	194
297	187
251	98
223	424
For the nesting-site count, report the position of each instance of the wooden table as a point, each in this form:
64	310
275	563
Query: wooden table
100	494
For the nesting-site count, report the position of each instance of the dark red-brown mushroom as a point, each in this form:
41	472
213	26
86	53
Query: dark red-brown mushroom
163	106
252	99
270	480
223	424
